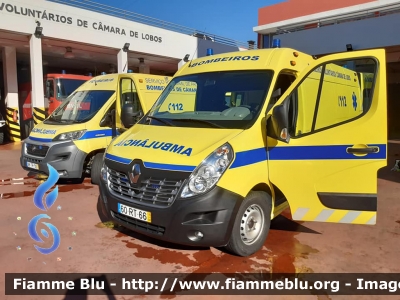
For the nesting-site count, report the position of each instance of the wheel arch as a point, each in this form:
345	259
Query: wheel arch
277	196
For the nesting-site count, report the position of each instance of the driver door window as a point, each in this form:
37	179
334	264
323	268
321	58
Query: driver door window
283	82
129	94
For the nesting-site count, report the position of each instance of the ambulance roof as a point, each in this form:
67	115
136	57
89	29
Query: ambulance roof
260	59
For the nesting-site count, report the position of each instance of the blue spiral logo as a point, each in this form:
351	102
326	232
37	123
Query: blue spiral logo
45	205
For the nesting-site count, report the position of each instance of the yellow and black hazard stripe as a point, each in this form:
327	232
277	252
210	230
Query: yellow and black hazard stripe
13	127
39	114
335	215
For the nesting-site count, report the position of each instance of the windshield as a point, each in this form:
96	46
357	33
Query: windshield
66	87
217	99
80	107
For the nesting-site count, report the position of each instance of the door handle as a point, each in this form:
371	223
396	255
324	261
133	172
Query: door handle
362	150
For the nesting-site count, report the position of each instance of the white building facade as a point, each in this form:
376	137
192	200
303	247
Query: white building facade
39	37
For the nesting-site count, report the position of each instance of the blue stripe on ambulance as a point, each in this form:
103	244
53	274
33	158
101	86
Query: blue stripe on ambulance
93	134
121	160
151	165
169	167
328	152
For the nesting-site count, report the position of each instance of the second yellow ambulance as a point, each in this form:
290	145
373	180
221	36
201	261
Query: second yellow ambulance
74	137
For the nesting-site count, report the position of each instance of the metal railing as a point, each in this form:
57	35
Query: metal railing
132	16
343	18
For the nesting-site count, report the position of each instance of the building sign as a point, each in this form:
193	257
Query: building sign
98	25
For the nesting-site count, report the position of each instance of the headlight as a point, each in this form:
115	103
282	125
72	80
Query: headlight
208	172
69	136
104	172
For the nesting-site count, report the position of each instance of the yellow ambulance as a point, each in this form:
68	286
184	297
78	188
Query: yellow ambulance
237	138
73	138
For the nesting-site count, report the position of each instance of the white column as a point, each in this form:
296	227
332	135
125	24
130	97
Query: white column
122	61
36	72
10	77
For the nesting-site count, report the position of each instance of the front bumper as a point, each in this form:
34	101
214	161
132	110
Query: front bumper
65	157
213	214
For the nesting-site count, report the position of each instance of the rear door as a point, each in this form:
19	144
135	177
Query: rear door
338	139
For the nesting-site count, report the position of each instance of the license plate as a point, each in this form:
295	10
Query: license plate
32	165
134	213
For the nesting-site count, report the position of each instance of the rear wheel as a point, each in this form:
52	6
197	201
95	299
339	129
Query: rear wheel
251	225
1	136
96	168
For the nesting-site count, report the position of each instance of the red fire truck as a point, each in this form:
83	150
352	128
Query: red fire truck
57	87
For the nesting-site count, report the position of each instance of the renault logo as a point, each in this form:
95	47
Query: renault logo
135	174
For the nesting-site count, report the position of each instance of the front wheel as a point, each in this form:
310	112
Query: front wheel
96	168
251	225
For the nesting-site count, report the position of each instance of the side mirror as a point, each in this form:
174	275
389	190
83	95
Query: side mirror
278	123
129	115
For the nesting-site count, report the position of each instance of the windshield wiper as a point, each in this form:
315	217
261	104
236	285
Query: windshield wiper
212	124
66	121
53	120
161	120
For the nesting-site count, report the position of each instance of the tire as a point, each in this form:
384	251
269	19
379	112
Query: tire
103	218
1	136
257	206
107	222
96	168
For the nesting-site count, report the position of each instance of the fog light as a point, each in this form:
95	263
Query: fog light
62	173
195	236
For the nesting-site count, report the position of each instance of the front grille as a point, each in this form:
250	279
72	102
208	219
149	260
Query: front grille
151	191
37	150
33	160
154	229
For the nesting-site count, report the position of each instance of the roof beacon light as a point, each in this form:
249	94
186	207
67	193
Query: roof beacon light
103	73
130	71
276	43
210	51
63	72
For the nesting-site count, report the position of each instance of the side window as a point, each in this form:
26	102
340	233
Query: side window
129	94
334	93
49	88
283	82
